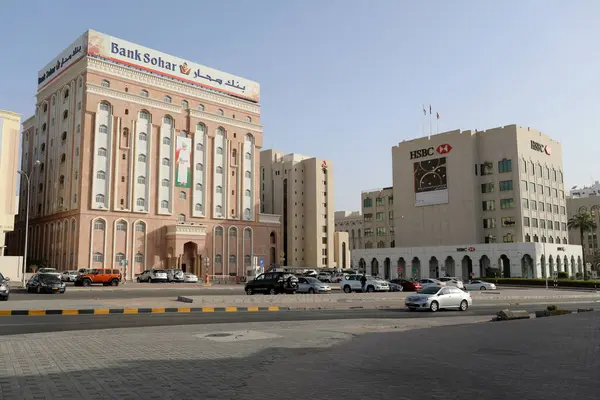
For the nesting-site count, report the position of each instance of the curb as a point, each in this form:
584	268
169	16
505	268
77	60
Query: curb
130	311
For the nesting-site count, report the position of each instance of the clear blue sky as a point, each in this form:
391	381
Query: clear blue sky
345	79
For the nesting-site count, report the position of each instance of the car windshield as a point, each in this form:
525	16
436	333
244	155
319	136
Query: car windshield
47	270
313	280
430	290
159	270
49	279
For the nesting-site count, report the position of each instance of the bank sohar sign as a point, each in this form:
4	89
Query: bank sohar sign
136	56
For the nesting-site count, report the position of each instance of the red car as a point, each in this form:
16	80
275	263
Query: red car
408	286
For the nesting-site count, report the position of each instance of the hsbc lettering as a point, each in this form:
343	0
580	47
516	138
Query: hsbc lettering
541	148
421	153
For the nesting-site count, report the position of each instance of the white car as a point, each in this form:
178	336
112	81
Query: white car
480	285
324	277
153	275
49	271
337	278
431	282
190	278
453	281
352	283
69	276
434	298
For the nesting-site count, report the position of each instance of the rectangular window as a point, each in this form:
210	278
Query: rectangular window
367	202
532	187
547	192
487	187
543	223
380	231
554	193
534	222
525	203
324	240
506	185
555	209
561	194
489	205
486	168
391	215
489	223
525	221
541	206
508	221
391	200
563	210
549	224
507	203
490	239
556	225
368	232
563	226
368	217
524	185
379	216
505	166
533	205
379	201
324	228
540	189
548	207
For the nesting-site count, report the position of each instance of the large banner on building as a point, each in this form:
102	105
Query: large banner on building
183	172
136	56
431	182
63	61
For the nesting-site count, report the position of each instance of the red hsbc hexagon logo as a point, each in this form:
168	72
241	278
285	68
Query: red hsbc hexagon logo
443	148
471	248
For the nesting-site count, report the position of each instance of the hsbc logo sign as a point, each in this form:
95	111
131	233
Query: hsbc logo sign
541	147
430	151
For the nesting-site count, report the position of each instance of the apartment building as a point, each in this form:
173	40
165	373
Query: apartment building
352	223
378	218
300	189
586	204
10	130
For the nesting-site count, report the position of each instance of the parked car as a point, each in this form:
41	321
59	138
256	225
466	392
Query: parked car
190	278
336	278
351	283
102	276
431	282
153	275
395	287
408	286
174	275
272	283
308	284
69	276
45	283
311	272
324	277
49	271
452	281
434	298
480	285
81	271
4	288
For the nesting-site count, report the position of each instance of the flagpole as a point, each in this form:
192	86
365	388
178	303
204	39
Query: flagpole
438	123
430	121
423	121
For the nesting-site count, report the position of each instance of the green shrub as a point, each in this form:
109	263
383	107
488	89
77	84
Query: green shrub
551	307
563	275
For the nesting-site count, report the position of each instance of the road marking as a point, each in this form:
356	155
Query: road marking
101	311
130	311
208	309
252	308
37	312
183	310
273	308
231	309
158	310
70	312
5	313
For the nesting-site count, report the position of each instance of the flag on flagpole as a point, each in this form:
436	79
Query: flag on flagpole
438	115
424	111
430	109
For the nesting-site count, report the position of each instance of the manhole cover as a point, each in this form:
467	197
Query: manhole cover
218	335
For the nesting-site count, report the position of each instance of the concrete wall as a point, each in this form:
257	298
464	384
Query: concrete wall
11	267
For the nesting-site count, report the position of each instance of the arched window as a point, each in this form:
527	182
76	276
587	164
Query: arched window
63	158
104	107
199	167
220	112
105	83
508	238
185	104
140	202
66	114
65	94
199	147
219	170
61	180
167	120
248	174
99	198
248	156
198	207
101	175
143	114
122	226
557	239
166	141
565	240
144	93
103	129
98	257
99	225
166	162
550	239
219	210
528	238
142	158
43	147
219	150
248	193
232	232
143	137
535	238
543	239
102	152
164	204
218	259
141	180
582	210
182	196
232	259
139	258
63	137
167	99
165	183
125	132
139	227
181	218
198	186
61	201
200	107
247	234
249	120
219	189
119	257
218	231
247	213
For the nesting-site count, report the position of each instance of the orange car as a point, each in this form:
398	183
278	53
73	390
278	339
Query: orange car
106	277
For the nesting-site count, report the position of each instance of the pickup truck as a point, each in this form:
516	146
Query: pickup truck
106	277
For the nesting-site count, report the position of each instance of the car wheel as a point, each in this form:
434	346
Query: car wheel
370	289
311	291
86	282
483	288
347	289
114	282
272	291
249	291
434	307
149	280
464	305
138	279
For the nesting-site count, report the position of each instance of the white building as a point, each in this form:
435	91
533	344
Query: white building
586	191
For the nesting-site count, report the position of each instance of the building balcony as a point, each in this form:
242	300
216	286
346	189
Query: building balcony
274	219
186	230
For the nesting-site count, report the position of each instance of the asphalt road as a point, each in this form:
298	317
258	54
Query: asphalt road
50	323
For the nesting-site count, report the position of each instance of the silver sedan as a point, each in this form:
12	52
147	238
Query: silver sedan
434	298
308	284
480	285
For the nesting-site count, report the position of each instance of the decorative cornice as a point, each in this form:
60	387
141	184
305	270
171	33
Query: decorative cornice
225	120
132	98
146	79
10	115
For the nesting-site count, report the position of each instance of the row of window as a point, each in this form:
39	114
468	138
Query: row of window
490	205
550	239
508	238
99	257
535	205
543	190
100	225
490	186
544	224
379	231
379	201
379	216
556	176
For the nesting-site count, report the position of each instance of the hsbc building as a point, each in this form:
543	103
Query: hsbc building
470	202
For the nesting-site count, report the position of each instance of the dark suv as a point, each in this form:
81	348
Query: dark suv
273	283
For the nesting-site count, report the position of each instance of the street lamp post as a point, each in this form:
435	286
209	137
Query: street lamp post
24	269
207	263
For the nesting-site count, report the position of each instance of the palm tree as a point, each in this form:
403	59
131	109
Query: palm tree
585	223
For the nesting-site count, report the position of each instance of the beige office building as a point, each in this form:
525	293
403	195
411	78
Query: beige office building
10	131
145	160
378	217
300	189
586	204
352	223
463	198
